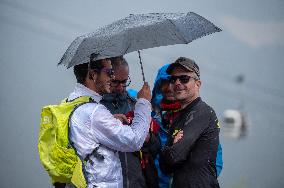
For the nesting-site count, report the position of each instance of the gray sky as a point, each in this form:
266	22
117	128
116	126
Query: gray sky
34	34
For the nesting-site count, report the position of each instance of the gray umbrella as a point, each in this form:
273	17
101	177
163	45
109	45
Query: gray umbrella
137	32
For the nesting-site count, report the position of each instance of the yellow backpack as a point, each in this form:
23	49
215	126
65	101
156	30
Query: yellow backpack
56	154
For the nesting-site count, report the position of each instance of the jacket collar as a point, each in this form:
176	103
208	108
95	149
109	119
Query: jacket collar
81	90
193	103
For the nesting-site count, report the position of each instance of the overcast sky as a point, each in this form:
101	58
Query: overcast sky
34	34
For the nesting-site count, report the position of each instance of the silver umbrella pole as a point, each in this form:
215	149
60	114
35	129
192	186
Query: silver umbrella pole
141	66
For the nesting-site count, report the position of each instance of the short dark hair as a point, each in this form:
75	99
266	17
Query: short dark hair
95	64
81	70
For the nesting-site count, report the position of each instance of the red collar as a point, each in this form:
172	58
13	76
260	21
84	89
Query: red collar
165	105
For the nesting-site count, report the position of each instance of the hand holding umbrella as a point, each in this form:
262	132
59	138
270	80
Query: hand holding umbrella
145	92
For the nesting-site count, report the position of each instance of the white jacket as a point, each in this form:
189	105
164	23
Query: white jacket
92	125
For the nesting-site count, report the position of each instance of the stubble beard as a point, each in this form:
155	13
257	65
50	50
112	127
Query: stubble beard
103	87
184	97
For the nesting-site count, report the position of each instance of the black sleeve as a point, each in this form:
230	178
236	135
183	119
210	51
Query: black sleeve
194	126
153	146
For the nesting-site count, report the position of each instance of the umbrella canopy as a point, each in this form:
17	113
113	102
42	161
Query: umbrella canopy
137	32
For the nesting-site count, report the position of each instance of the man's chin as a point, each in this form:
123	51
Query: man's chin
179	96
171	98
104	91
107	90
178	93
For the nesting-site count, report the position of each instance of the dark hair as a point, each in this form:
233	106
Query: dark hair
81	70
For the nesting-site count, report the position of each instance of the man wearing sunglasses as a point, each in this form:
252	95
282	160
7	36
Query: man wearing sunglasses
96	134
118	101
191	149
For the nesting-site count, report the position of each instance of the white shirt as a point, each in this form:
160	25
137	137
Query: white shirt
92	125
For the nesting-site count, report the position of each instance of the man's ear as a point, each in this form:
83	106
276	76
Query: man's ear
92	75
198	83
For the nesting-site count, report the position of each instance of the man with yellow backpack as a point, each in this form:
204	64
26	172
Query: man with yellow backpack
83	151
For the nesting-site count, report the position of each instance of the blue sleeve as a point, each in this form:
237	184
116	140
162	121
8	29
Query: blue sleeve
219	160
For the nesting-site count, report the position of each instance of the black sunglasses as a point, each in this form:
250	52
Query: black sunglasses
109	71
124	83
184	79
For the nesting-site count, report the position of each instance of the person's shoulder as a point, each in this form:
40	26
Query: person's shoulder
82	113
208	109
88	107
204	107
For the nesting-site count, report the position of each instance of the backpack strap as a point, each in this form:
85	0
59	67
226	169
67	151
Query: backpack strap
96	154
83	98
89	100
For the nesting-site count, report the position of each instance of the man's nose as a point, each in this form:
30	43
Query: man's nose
177	81
120	87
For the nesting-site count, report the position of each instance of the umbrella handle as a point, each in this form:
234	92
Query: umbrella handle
140	61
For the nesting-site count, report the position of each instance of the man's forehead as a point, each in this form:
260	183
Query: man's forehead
122	68
121	76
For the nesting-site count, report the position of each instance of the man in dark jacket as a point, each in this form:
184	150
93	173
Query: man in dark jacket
190	152
135	166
